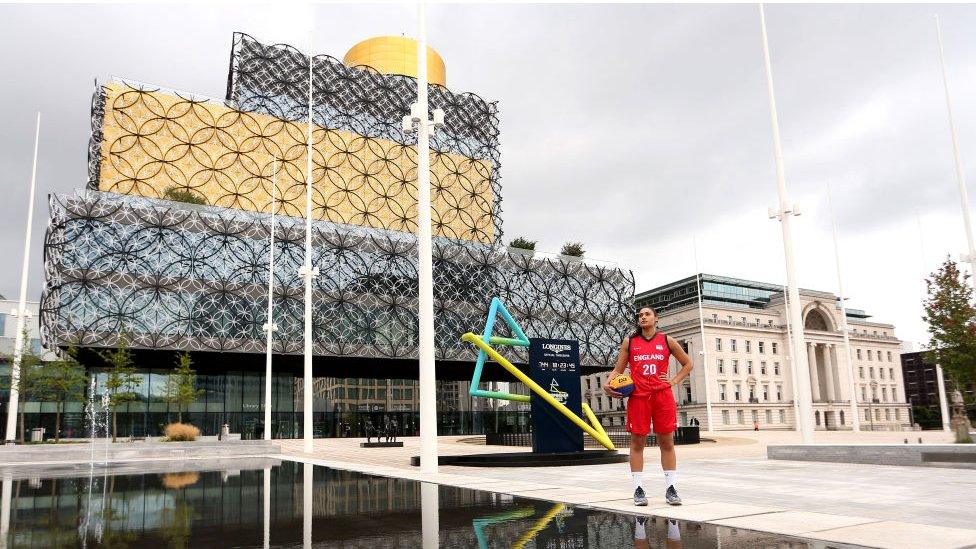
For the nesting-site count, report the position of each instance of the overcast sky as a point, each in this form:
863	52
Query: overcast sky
629	128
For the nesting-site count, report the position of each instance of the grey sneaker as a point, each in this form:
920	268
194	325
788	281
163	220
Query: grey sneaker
640	499
671	495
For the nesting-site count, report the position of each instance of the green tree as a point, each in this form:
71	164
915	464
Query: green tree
951	320
181	385
122	378
573	249
61	381
185	195
27	382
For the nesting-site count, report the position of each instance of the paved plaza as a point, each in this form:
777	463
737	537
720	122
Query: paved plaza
727	482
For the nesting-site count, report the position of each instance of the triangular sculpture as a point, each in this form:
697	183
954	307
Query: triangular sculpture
485	351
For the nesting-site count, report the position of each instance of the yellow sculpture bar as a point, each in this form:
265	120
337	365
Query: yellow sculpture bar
599	434
395	55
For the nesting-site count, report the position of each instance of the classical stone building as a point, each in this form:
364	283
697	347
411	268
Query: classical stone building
738	340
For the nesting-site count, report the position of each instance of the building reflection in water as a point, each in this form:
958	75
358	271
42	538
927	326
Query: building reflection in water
292	505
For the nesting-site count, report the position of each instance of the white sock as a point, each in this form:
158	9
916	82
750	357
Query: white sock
670	478
673	532
639	531
637	479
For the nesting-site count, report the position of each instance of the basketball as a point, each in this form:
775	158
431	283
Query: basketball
622	384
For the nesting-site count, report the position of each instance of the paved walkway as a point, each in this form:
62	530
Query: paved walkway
727	482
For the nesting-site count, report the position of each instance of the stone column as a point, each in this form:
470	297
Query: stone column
814	376
831	376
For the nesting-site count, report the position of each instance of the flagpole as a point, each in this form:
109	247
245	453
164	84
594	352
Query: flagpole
784	213
22	303
704	349
427	376
270	325
957	157
308	272
843	316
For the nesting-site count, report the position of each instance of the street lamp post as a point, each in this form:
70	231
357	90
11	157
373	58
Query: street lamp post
21	311
270	326
970	257
418	121
784	212
843	316
308	273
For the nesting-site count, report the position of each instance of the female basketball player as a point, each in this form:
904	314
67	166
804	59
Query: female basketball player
648	353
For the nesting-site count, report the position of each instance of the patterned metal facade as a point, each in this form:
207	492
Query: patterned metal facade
177	276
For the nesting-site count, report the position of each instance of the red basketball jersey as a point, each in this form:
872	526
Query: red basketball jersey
649	358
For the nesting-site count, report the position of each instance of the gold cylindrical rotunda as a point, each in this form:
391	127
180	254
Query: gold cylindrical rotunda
396	55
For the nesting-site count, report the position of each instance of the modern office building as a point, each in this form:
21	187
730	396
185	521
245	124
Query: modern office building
167	247
738	338
922	390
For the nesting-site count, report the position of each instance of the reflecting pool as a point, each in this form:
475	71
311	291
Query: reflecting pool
263	503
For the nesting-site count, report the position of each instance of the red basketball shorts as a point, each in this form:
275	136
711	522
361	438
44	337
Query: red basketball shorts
659	407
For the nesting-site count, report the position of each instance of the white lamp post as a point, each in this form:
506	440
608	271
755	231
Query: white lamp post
21	312
843	317
784	213
308	272
960	176
418	121
270	325
704	350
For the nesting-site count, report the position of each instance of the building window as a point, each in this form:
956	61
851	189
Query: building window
688	393
881	373
752	393
869	355
874	393
877	414
769	416
891	373
732	345
725	417
762	347
748	366
842	418
859	354
755	416
867	415
889	356
782	416
776	368
718	344
897	414
762	367
779	393
766	392
884	394
864	394
748	346
860	372
721	391
775	347
740	416
721	366
887	414
871	372
735	366
736	394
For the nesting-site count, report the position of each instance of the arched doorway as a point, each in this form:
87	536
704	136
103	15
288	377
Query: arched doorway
816	320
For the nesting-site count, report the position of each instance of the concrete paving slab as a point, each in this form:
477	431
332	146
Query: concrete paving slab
626	505
900	535
711	511
568	495
507	487
793	523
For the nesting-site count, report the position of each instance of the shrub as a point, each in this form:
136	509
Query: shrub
180	480
523	244
180	432
573	249
187	196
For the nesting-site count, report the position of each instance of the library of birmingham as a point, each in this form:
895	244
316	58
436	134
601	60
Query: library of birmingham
130	257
